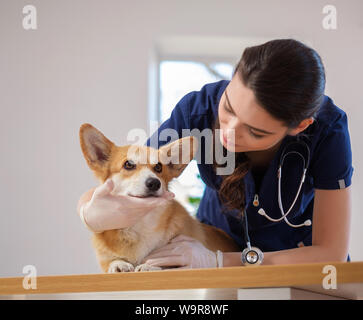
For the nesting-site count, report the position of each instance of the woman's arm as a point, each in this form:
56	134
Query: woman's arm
330	239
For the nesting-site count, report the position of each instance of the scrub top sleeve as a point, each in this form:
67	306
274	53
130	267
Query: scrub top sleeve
332	161
172	128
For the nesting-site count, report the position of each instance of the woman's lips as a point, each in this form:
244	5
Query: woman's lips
226	141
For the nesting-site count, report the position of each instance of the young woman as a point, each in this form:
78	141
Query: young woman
275	104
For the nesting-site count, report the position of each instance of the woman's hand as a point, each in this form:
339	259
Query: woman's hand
106	211
182	252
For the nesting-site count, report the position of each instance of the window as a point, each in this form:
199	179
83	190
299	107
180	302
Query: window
177	78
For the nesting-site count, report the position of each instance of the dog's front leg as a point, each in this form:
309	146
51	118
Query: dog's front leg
120	266
146	267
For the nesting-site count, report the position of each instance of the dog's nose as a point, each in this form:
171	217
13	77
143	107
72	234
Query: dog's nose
152	184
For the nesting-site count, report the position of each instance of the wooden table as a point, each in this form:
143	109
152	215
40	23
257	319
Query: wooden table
299	281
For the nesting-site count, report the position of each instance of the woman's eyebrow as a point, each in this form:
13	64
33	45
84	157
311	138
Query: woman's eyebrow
257	129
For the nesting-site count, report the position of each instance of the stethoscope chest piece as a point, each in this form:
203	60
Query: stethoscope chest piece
251	256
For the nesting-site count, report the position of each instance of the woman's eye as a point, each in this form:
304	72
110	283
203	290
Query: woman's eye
227	109
128	165
158	167
258	136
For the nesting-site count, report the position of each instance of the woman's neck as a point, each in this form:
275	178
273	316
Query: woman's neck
262	158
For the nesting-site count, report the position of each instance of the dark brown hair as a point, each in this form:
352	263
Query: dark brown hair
288	81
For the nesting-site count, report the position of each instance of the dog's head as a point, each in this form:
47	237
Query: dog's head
138	171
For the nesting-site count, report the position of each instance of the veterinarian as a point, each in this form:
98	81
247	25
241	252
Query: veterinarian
276	96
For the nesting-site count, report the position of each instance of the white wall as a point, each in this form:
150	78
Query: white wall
88	61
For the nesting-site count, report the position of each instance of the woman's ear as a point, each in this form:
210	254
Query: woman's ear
301	127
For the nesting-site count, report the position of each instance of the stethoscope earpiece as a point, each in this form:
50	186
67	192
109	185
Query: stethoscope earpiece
307	223
262	212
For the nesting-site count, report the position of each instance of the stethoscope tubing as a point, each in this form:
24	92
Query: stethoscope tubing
249	248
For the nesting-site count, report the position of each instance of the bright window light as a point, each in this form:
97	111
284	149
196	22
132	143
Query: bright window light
177	78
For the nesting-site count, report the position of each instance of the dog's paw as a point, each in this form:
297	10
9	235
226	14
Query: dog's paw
117	266
146	267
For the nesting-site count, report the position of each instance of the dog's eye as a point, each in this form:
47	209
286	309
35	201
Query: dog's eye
158	167
128	165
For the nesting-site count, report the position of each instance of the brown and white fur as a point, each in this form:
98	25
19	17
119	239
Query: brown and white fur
123	250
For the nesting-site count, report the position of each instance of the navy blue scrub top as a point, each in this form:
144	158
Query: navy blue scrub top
330	168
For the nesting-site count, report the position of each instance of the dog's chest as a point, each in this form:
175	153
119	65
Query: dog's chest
145	235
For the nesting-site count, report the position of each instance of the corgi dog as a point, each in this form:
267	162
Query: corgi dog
123	250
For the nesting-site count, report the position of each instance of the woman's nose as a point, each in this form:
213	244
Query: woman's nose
233	123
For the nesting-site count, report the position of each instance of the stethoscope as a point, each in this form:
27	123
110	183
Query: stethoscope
253	255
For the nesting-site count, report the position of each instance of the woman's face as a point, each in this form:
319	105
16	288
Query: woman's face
254	128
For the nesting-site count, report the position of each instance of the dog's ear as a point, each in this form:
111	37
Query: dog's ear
177	154
96	147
